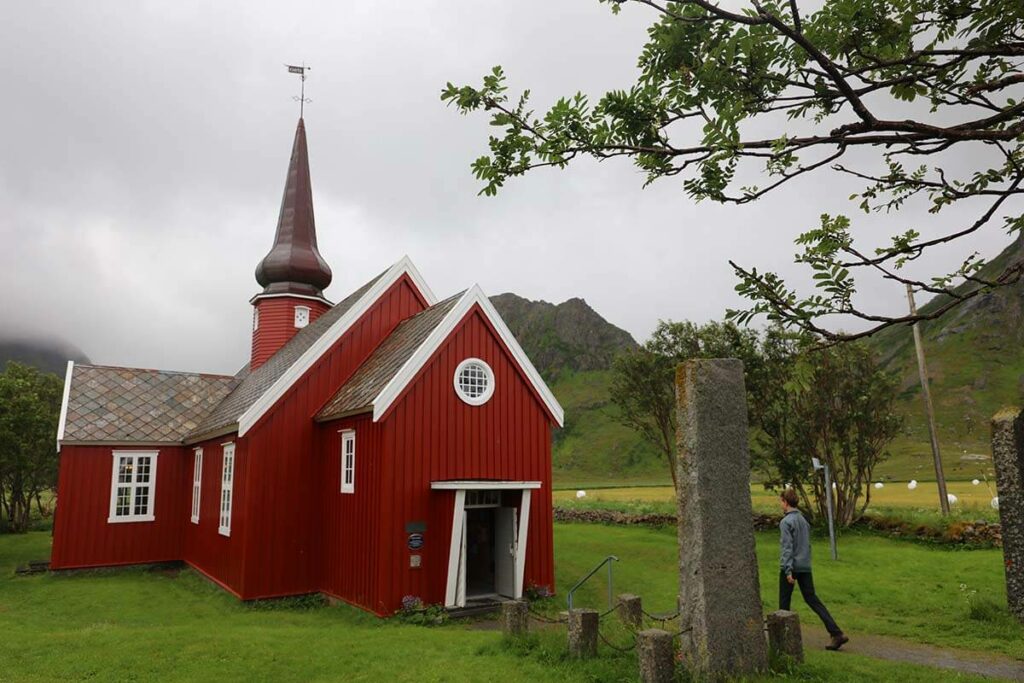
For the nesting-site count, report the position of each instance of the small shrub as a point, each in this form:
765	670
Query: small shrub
414	611
980	607
535	592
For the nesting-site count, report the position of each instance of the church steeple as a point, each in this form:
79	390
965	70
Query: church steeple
293	274
294	265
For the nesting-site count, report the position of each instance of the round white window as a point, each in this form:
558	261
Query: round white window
474	381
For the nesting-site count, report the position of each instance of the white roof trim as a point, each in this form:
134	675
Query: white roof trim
265	402
64	403
474	295
482	485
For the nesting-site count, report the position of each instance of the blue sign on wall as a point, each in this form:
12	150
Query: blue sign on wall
415	541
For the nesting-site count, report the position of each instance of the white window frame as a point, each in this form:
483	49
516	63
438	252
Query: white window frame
255	319
488	391
197	482
348	466
133	487
297	321
227	487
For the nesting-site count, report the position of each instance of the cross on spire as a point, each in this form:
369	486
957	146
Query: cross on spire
301	98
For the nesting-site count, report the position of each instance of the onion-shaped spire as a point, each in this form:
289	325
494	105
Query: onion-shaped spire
294	265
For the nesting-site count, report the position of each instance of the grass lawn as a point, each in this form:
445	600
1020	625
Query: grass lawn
973	501
134	624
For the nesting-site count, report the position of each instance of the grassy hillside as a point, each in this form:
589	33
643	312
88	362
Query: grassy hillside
975	358
593	447
573	348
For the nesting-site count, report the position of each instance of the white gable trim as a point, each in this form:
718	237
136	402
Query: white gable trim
474	295
271	396
64	403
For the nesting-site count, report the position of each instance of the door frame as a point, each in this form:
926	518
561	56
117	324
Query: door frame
455	592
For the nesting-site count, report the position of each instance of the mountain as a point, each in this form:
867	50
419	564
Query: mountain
975	358
47	355
573	347
569	336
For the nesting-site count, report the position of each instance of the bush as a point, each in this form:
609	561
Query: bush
980	607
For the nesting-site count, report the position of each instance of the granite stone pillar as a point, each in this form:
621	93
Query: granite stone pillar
655	656
721	617
514	618
1008	460
582	632
784	636
630	610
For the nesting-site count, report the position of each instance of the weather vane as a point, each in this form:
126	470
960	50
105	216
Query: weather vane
301	99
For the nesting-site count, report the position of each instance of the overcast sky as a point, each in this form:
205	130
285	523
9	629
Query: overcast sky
143	149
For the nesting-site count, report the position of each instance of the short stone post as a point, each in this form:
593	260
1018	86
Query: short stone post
656	656
582	631
514	618
630	610
1008	460
721	616
784	636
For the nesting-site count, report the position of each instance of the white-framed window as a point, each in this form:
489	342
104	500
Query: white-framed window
255	319
133	486
227	481
301	316
474	381
197	482
348	461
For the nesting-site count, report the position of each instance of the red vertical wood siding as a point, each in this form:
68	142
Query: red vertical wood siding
351	521
218	557
82	537
431	435
284	479
277	324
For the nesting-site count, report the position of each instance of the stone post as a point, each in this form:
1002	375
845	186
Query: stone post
514	618
721	617
630	610
784	634
656	656
582	631
1008	460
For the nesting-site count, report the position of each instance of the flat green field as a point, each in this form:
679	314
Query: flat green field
891	495
135	624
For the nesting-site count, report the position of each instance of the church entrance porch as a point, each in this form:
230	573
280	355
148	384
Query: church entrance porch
487	550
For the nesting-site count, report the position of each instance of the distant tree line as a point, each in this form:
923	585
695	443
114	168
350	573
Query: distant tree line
804	401
29	410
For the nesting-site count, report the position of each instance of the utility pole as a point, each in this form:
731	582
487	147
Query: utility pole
818	465
940	478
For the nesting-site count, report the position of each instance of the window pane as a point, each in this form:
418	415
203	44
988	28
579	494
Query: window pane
141	500
124	499
124	469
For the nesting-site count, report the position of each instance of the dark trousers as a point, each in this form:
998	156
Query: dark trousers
806	583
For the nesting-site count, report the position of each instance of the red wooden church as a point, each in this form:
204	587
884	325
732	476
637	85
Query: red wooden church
387	445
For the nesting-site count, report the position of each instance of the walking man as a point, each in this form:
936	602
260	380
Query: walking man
795	562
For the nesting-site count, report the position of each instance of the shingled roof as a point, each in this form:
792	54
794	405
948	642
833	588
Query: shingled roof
110	404
385	362
256	383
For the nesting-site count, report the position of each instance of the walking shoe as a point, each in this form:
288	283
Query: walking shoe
838	641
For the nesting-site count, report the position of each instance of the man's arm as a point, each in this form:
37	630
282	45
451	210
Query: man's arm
786	561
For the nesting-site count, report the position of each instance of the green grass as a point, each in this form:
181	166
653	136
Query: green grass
881	586
134	624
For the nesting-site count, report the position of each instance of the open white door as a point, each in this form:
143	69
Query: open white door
505	551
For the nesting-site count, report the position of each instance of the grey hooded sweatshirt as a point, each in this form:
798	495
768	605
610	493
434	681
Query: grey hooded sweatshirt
795	543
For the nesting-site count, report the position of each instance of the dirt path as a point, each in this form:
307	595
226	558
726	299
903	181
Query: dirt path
898	650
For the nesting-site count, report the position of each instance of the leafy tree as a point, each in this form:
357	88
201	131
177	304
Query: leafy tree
917	100
643	384
29	408
831	403
837	406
